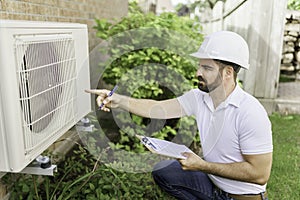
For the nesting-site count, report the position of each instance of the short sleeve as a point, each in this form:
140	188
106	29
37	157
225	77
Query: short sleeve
255	133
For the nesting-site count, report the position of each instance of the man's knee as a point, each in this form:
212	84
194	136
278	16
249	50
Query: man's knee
165	169
165	164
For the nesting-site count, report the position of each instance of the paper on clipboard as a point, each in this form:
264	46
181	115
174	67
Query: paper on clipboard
164	147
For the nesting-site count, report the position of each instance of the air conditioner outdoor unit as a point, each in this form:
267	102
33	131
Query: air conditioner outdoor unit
44	70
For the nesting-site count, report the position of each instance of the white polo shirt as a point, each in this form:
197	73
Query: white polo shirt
239	125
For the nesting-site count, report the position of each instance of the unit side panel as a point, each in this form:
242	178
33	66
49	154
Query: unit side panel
83	73
11	119
3	147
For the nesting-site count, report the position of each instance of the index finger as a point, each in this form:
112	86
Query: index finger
186	154
95	91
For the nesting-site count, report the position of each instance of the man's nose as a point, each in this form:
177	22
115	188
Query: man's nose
199	72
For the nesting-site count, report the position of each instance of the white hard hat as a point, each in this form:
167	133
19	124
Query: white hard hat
226	46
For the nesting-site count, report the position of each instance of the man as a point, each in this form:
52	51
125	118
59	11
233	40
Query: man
235	131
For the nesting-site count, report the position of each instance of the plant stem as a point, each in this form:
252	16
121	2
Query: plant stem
35	188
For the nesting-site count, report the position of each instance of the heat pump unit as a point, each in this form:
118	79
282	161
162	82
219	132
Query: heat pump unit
44	70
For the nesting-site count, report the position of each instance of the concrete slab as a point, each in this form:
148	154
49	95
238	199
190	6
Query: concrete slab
288	101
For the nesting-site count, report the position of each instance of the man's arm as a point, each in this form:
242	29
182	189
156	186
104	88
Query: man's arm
164	109
255	169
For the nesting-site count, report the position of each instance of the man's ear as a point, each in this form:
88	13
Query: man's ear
228	71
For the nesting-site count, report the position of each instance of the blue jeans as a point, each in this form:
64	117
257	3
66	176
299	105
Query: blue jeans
187	185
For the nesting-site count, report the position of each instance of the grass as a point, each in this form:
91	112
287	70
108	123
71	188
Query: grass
284	182
286	78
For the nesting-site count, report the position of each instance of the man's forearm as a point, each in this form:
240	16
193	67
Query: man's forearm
255	168
241	171
149	108
141	107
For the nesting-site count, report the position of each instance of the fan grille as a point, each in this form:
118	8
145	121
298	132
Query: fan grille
47	81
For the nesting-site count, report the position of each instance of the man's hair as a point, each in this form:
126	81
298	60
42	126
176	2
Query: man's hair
236	67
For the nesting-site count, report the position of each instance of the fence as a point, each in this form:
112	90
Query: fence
261	23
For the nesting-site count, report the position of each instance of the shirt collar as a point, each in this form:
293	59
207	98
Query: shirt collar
233	99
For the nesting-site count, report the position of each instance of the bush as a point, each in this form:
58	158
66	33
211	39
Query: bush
148	57
294	4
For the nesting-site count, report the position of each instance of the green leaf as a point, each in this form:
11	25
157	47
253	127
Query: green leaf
25	188
92	186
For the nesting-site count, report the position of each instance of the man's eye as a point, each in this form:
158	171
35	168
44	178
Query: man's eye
208	68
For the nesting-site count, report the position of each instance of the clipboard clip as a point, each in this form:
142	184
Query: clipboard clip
147	142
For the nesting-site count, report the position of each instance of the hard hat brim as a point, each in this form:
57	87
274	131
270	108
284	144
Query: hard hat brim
200	55
207	56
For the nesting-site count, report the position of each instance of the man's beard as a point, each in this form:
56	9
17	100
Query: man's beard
202	84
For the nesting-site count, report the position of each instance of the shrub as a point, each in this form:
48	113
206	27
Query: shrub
148	57
294	4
